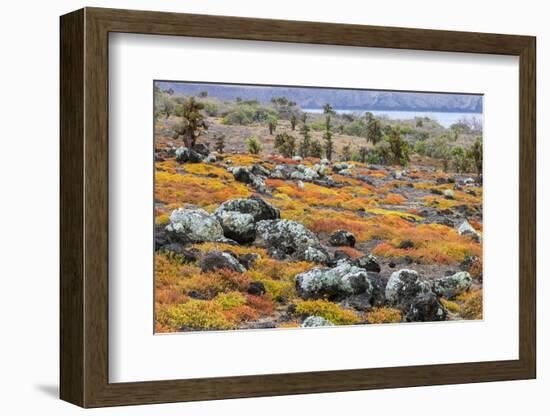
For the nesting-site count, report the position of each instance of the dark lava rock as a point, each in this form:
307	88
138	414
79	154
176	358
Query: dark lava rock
436	191
426	308
406	244
342	238
243	174
196	295
248	260
368	262
256	288
220	260
340	255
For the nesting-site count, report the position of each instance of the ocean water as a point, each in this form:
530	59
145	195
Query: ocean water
446	119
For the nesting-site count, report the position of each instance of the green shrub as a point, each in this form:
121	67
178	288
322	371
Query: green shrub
254	145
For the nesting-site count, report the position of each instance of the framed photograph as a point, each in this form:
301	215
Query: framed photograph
257	207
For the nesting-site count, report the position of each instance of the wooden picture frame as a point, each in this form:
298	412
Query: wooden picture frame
84	207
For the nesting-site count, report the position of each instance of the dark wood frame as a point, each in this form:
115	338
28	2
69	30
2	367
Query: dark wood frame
84	207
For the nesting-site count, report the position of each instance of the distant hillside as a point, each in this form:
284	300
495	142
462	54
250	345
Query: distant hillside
338	98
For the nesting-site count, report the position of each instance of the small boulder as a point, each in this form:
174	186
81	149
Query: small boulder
406	244
325	162
297	158
320	169
256	288
368	262
340	255
310	174
186	155
297	175
237	226
196	225
339	167
289	238
316	255
248	260
453	285
245	175
403	287
220	260
342	238
426	307
238	217
466	229
449	193
210	159
316	321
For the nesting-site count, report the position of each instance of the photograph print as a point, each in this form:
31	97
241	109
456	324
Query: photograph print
301	207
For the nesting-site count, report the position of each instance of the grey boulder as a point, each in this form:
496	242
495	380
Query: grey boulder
290	238
403	287
335	283
196	225
453	285
220	260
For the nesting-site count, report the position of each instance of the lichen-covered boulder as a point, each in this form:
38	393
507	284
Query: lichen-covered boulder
316	321
403	287
297	175
255	206
339	167
238	217
368	262
335	283
316	255
244	174
426	307
259	170
186	155
289	238
466	229
310	174
237	226
321	169
220	260
342	238
453	285
196	225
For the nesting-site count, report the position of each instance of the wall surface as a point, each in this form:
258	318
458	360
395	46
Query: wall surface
29	210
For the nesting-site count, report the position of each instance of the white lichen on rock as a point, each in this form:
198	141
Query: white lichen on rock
196	224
